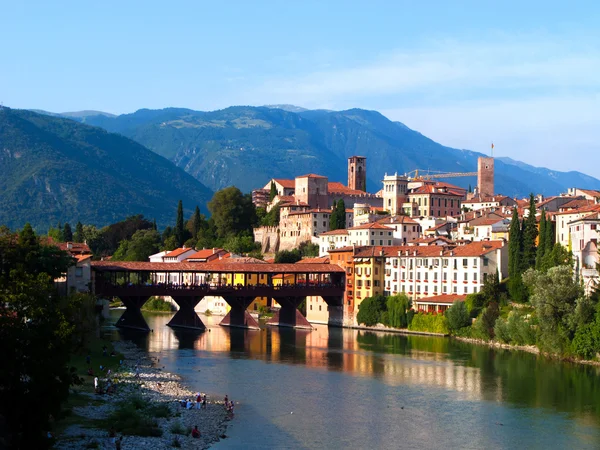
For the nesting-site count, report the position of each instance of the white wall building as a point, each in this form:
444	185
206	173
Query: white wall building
331	240
423	271
585	233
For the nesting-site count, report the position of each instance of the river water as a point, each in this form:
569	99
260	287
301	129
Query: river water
334	388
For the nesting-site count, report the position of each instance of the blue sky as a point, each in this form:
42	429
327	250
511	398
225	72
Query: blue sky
521	74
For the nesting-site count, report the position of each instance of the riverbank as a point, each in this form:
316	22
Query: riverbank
395	330
152	389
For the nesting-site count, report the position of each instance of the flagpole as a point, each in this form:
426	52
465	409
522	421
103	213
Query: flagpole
492	149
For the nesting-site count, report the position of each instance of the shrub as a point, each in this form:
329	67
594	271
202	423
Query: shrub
399	313
178	428
501	330
160	411
158	304
458	316
370	310
519	329
586	343
176	442
431	323
474	301
131	418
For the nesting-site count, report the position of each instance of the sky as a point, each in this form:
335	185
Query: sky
520	74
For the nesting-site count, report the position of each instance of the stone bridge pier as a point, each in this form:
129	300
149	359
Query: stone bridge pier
132	317
289	315
238	316
186	316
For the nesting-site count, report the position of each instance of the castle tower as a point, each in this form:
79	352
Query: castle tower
357	173
395	193
485	176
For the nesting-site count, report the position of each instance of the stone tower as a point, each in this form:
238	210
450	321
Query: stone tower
485	176
357	173
395	193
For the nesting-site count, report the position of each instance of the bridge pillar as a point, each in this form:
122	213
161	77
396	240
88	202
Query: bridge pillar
132	317
238	316
186	317
288	315
335	306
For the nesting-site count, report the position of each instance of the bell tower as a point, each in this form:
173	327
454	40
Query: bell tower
485	176
357	173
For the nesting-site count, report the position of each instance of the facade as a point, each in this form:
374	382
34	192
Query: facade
436	201
565	216
585	233
207	255
357	173
313	190
79	276
437	303
369	263
371	234
394	193
331	240
404	228
496	202
424	271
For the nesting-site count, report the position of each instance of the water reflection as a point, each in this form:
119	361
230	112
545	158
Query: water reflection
473	373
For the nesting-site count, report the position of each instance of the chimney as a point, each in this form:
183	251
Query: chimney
69	245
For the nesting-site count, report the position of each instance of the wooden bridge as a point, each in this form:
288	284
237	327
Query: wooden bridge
237	283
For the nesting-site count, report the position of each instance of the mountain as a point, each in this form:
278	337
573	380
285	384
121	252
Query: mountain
55	169
247	146
75	115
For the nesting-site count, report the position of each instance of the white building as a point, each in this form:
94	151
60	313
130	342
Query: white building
371	234
423	271
405	229
564	218
331	240
584	243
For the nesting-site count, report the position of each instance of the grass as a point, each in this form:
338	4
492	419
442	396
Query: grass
178	428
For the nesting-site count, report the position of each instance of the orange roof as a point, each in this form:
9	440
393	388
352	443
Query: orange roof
288	184
485	221
80	258
397	219
430	189
590	192
178	251
204	253
75	247
578	203
318	260
335	232
582	209
336	187
311	175
478	248
371	226
444	298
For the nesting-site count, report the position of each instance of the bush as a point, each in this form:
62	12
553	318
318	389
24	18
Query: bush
399	313
519	329
501	330
474	301
431	323
586	343
178	428
458	316
159	411
176	442
158	304
131	417
370	310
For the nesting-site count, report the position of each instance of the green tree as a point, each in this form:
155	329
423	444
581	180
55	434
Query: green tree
179	229
78	236
541	248
288	256
232	212
67	233
371	309
308	250
530	234
139	248
549	238
196	222
458	316
337	219
516	288
555	296
241	245
399	312
273	192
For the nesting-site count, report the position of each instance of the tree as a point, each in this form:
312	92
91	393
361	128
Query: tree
78	236
196	222
232	212
371	309
337	219
458	316
139	248
288	256
549	238
67	233
241	244
541	248
179	230
485	323
309	250
273	192
530	234
470	189
36	338
399	312
515	286
555	296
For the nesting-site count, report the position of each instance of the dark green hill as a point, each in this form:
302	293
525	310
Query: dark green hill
246	146
55	169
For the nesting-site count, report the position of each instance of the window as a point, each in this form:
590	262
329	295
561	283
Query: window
435	276
445	262
485	262
426	276
475	276
376	270
455	289
418	288
315	223
466	276
324	223
389	242
455	276
311	307
455	264
418	275
319	307
444	289
465	262
445	276
314	216
475	262
376	283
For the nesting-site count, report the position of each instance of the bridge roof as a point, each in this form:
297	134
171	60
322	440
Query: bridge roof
221	267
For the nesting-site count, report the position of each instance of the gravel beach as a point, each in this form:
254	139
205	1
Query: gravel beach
157	387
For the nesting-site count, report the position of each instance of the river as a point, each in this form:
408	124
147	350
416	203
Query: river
333	388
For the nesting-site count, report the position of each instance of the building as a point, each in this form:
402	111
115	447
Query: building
588	194
395	193
371	234
436	201
496	202
570	212
331	240
79	276
437	303
585	233
357	173
404	228
207	255
423	271
485	176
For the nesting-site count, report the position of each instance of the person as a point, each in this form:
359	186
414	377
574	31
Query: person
112	434
198	400
118	443
226	399
189	404
196	432
204	401
231	407
96	383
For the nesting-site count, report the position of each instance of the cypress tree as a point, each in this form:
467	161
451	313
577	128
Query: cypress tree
273	193
67	233
196	220
154	227
541	249
179	232
333	219
515	286
530	233
78	236
61	236
549	239
341	214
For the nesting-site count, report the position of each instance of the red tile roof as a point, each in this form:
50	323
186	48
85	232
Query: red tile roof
335	232
76	247
444	298
371	226
221	266
311	175
318	260
578	203
205	253
391	220
335	187
288	184
478	248
178	251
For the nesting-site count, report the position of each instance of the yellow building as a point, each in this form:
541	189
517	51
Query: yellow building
369	272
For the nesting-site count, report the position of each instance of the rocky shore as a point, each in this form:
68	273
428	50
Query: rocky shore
157	387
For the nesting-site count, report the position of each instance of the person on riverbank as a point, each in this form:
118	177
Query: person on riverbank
189	404
118	443
196	432
204	401
198	400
